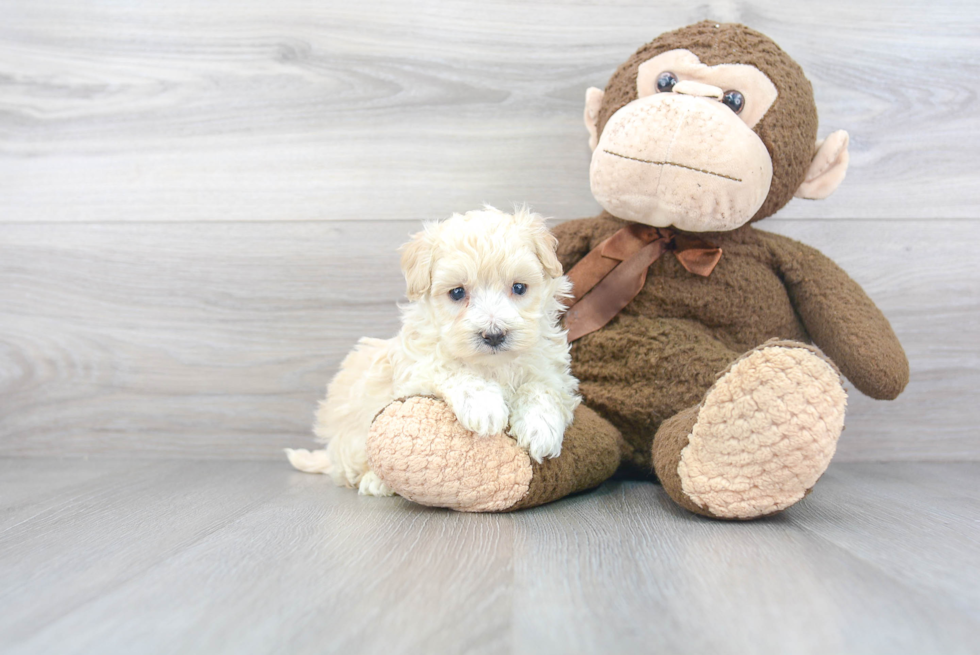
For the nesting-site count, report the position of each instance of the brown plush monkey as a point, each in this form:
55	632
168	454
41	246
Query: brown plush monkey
694	332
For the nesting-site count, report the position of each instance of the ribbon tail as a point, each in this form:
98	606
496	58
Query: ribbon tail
588	272
700	261
613	293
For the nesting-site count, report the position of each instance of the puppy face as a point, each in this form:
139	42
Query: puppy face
489	281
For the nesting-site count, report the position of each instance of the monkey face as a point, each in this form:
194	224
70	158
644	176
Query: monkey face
684	152
706	128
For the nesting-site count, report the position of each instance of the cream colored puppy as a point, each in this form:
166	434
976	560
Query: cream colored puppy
480	331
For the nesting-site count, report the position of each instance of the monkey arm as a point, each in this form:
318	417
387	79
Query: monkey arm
842	320
575	239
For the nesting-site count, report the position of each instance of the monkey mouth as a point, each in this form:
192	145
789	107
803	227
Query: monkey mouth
671	163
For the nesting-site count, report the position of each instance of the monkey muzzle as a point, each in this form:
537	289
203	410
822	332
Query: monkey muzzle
685	161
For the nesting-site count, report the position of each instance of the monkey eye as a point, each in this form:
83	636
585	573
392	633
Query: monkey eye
519	288
734	101
457	294
666	82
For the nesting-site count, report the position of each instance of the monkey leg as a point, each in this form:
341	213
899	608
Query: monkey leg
419	449
637	372
760	438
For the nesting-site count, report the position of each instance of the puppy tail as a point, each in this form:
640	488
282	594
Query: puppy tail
316	461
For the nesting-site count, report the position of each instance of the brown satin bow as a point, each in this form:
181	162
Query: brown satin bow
611	275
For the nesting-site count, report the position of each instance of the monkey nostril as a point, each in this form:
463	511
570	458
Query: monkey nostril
494	339
698	90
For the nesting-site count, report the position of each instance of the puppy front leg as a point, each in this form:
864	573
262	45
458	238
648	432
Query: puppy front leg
478	404
538	419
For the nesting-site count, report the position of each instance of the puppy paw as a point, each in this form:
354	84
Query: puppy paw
540	434
481	410
371	485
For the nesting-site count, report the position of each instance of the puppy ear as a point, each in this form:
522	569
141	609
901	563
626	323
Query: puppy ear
545	245
417	264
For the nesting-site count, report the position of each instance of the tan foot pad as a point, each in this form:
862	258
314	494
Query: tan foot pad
765	433
422	452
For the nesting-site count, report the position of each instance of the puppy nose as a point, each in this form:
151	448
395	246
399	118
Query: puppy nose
494	339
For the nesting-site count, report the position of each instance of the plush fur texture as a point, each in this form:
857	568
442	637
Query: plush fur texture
668	346
445	348
419	447
765	433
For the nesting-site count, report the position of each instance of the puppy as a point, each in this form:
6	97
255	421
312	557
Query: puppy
480	331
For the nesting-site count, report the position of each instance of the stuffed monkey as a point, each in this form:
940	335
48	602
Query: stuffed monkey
709	353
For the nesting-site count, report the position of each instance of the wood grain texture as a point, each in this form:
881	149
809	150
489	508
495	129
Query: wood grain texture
217	340
251	557
298	110
708	587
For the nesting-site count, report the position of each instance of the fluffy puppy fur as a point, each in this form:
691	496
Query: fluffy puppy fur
480	331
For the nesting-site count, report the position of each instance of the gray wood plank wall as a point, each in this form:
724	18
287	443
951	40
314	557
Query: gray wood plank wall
199	202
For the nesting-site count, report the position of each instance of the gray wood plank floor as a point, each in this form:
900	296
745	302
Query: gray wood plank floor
170	556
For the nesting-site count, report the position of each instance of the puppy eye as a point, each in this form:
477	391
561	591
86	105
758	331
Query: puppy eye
734	101
457	294
519	288
666	82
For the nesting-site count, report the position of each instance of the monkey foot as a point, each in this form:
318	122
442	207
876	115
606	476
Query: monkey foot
419	450
762	436
422	452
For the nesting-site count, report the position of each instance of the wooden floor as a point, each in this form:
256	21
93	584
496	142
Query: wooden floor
167	556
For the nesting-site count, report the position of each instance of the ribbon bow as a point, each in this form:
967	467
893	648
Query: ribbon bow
611	275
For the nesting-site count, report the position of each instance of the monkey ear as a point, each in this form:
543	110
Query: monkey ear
417	264
828	168
593	101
